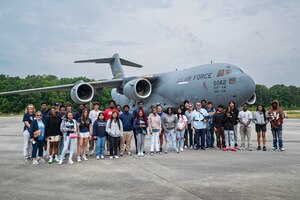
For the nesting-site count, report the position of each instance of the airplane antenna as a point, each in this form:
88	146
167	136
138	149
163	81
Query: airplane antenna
211	62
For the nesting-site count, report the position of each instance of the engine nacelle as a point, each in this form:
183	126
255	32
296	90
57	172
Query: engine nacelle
82	93
252	99
137	89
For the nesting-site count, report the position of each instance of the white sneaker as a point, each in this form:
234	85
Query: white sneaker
185	146
177	150
60	162
181	149
142	154
111	157
139	154
35	162
70	162
102	157
282	149
273	149
50	160
98	157
78	159
85	159
92	153
42	161
45	154
191	148
56	159
116	157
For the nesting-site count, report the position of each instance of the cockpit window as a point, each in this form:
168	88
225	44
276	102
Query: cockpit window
228	71
220	72
237	71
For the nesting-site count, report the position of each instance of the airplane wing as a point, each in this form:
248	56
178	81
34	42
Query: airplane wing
114	83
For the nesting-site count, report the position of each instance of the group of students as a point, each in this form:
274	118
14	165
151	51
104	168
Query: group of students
110	133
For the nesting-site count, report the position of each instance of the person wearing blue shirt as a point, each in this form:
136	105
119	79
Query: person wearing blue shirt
199	124
38	142
127	120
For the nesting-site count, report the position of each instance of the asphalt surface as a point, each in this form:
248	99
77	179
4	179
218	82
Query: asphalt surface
209	174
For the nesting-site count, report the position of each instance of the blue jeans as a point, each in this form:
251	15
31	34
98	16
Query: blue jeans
200	138
210	137
100	146
229	138
180	138
73	143
191	135
277	136
38	146
170	136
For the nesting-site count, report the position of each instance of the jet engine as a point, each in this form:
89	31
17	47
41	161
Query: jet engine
252	99
137	89
82	93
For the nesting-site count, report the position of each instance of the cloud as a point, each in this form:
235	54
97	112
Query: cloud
48	36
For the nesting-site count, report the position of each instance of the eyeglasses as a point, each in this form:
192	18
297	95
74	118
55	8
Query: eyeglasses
38	115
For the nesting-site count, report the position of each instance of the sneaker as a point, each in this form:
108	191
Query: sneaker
35	162
250	149
218	148
98	157
264	149
121	154
181	149
158	152
258	148
236	145
102	157
56	160
165	152
60	162
185	146
241	148
142	154
225	149
282	149
139	154
273	149
191	148
107	153
116	157
202	148
42	161
85	159
27	159
92	153
111	157
50	160
233	149
177	150
70	162
151	153
78	159
129	153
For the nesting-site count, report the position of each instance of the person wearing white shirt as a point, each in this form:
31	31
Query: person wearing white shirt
245	118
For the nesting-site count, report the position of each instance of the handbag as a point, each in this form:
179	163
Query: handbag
37	133
144	131
73	135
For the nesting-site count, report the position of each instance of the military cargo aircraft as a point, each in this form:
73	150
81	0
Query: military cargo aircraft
216	82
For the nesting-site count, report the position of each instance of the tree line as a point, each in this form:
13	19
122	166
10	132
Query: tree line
289	96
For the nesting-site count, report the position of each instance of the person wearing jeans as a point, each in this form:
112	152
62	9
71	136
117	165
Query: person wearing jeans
169	123
140	125
114	128
155	129
210	138
99	134
38	142
28	119
231	104
199	124
69	128
276	118
127	120
229	120
181	126
188	115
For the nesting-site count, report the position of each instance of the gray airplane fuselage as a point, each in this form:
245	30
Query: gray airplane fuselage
218	83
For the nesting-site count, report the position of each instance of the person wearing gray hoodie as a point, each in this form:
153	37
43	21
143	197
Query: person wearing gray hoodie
169	123
114	128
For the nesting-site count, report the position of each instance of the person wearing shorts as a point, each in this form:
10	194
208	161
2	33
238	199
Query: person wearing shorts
85	131
260	119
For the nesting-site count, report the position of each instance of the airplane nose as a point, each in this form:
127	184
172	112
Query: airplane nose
246	88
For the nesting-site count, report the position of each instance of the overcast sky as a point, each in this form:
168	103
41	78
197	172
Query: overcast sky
46	37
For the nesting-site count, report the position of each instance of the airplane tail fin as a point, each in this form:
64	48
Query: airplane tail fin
115	64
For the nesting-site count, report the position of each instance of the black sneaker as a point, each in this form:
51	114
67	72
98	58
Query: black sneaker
258	148
264	149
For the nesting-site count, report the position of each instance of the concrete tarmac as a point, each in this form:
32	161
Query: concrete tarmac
209	174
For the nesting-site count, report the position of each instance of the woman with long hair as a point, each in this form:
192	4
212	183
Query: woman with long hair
181	126
155	129
229	120
84	125
114	128
140	125
260	119
28	118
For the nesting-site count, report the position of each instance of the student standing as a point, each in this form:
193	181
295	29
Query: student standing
260	119
155	129
245	118
28	118
69	129
37	137
229	120
169	122
84	125
161	133
127	120
140	125
186	133
79	112
114	128
236	115
219	127
93	116
53	134
134	114
45	114
210	138
199	124
181	126
276	118
188	115
99	133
